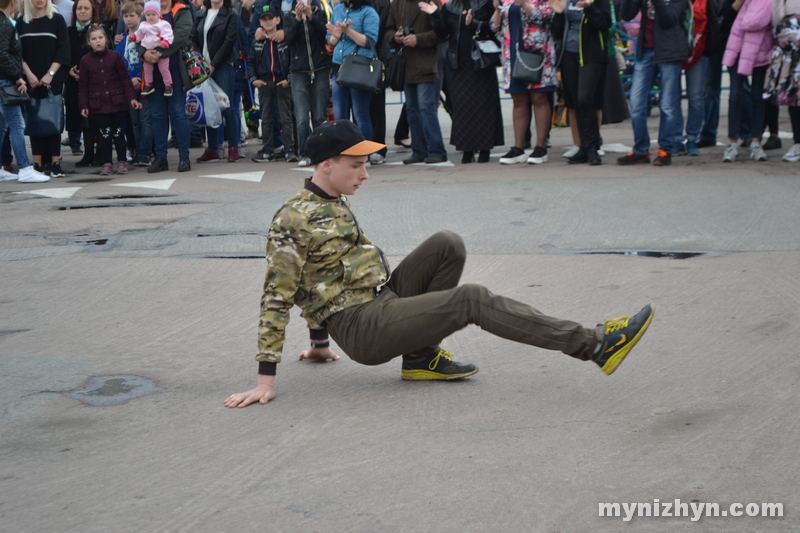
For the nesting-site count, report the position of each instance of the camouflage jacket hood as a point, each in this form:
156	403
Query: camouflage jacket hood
318	259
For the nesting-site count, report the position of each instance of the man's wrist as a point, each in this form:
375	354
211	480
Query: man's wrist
267	369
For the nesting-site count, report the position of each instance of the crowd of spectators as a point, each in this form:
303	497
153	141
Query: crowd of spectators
278	62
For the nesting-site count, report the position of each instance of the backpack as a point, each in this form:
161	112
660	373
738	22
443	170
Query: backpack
695	22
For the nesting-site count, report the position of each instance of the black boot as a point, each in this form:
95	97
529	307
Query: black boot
184	165
483	156
158	165
468	157
86	160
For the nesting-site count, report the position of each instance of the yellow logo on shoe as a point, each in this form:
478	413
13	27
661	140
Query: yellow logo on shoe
623	340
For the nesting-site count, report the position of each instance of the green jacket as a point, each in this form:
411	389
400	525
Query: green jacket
318	259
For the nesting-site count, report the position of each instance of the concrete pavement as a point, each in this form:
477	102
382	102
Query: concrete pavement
160	281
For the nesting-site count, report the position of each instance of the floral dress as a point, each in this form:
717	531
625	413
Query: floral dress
532	32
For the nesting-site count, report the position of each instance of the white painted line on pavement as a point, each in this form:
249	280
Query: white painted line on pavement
303	169
163	185
241	176
65	192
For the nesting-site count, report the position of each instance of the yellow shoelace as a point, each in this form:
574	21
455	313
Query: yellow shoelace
442	353
616	323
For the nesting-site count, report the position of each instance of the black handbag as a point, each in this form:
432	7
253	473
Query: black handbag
396	71
485	54
10	95
396	65
360	72
528	66
44	117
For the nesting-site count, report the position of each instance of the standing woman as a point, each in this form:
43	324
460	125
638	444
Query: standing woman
45	56
161	107
583	27
477	117
11	116
525	24
84	14
352	22
215	35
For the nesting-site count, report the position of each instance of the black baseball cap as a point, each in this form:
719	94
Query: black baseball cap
338	137
271	9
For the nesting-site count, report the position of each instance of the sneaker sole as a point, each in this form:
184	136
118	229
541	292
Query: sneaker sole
615	360
537	160
513	160
427	375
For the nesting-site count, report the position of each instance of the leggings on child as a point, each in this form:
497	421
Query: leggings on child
163	67
110	128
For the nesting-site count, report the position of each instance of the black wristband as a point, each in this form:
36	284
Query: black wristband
325	344
267	369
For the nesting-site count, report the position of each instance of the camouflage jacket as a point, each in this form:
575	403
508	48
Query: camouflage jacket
319	259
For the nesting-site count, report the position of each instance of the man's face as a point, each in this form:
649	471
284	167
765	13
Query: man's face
343	175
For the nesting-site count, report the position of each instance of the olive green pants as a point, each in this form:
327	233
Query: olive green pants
422	304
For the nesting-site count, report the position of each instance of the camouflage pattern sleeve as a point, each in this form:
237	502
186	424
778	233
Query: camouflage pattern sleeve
287	245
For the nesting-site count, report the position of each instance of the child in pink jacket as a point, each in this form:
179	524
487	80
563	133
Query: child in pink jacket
153	33
747	54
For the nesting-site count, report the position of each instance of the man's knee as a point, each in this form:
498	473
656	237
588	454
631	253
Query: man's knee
451	242
472	292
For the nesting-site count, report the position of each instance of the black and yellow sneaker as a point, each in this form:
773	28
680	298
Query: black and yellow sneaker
620	335
439	367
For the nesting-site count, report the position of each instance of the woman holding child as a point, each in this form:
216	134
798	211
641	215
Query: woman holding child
173	106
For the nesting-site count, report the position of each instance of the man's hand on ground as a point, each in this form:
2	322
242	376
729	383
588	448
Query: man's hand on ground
264	392
318	354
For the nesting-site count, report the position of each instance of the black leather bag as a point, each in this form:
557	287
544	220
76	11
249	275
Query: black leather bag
10	96
485	54
44	117
528	66
396	71
360	72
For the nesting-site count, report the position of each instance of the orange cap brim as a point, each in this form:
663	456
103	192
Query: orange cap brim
364	148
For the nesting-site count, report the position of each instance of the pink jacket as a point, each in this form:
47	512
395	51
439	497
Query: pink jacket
750	41
152	36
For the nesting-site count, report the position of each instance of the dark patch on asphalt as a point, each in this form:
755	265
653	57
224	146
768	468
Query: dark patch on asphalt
102	391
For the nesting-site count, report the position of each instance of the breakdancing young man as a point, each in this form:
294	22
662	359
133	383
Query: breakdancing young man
319	259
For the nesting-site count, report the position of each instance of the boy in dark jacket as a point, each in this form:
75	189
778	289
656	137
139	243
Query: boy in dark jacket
269	65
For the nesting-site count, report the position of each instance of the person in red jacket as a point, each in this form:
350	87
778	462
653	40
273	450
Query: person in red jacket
105	93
